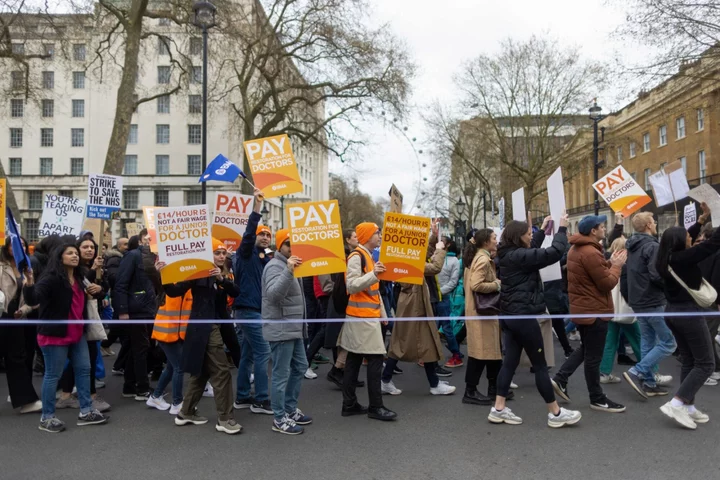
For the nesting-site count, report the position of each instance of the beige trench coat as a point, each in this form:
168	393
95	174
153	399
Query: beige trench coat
483	336
417	341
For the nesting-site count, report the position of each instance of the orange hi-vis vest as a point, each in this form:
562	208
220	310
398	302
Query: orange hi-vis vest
365	304
177	308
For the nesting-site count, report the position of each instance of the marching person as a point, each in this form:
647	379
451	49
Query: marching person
283	300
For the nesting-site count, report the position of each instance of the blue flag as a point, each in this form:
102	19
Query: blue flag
222	170
21	258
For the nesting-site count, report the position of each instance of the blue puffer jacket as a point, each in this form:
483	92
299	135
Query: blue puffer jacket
248	265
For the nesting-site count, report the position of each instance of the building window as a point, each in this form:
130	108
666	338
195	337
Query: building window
133	135
16	137
619	155
48	108
17	107
193	197
130	199
49	51
196	76
16	166
702	166
77	137
194	165
18	80
646	142
662	133
18	49
680	127
196	46
194	134
79	52
35	199
163	46
163	104
162	134
48	80
683	162
700	119
46	137
78	108
195	103
647	179
32	229
78	80
162	198
162	165
130	167
46	165
163	75
77	166
65	193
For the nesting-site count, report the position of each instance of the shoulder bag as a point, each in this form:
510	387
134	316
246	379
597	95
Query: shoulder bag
704	297
623	312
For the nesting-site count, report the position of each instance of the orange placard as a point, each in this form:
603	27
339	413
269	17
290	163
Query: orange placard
316	237
404	247
273	166
232	211
184	242
149	215
621	192
3	206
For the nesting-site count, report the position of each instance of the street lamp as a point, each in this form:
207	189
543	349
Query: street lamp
264	212
460	223
460	208
596	116
204	18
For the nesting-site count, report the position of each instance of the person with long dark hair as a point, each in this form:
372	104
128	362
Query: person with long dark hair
678	264
61	296
522	295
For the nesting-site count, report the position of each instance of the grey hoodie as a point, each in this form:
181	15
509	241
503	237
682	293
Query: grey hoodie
645	286
282	299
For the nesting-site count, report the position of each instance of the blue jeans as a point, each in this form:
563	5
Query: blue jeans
255	350
173	371
656	343
443	310
55	356
289	365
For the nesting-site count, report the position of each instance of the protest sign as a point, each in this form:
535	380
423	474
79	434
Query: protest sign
669	185
316	237
149	216
94	225
707	194
273	166
62	215
3	206
556	199
621	192
104	195
404	247
184	242
133	229
230	218
690	215
518	205
396	199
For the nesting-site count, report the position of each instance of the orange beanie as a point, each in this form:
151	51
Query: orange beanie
281	236
263	228
365	231
218	245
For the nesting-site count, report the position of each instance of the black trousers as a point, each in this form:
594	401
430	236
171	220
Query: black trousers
475	369
590	352
374	371
17	371
558	325
316	342
136	372
67	381
519	335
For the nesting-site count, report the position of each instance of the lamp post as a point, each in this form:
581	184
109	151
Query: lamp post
264	212
460	223
595	116
204	18
282	211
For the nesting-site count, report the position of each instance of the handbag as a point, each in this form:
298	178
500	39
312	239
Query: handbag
705	297
95	329
623	312
487	302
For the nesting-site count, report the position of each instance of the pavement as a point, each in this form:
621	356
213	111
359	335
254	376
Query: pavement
434	438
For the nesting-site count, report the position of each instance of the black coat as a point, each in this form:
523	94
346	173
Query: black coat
133	293
521	291
54	295
209	302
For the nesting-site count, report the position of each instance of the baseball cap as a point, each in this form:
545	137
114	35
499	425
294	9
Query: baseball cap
589	222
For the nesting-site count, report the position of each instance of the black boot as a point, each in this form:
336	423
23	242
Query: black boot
335	375
473	397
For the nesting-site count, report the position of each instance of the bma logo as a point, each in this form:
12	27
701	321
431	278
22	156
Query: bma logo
189	268
223	168
277	187
322	263
400	270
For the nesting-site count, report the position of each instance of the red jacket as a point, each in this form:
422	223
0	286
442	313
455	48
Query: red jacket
591	279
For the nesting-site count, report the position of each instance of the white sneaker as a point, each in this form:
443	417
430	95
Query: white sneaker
565	417
389	388
175	409
679	414
32	407
574	336
158	403
443	388
209	392
609	378
663	380
310	375
504	416
629	350
715	376
513	385
252	378
710	382
699	417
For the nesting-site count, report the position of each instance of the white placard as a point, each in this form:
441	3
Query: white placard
669	187
104	195
552	272
184	242
706	193
690	215
62	216
518	205
556	197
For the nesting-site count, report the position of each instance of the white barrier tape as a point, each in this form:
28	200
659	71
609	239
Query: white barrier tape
239	321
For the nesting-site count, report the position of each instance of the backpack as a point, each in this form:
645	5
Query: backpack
339	294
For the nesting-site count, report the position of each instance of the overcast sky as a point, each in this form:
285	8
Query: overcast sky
441	35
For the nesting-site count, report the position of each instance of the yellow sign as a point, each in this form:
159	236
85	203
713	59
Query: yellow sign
232	211
404	247
149	215
316	237
184	242
273	166
3	207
